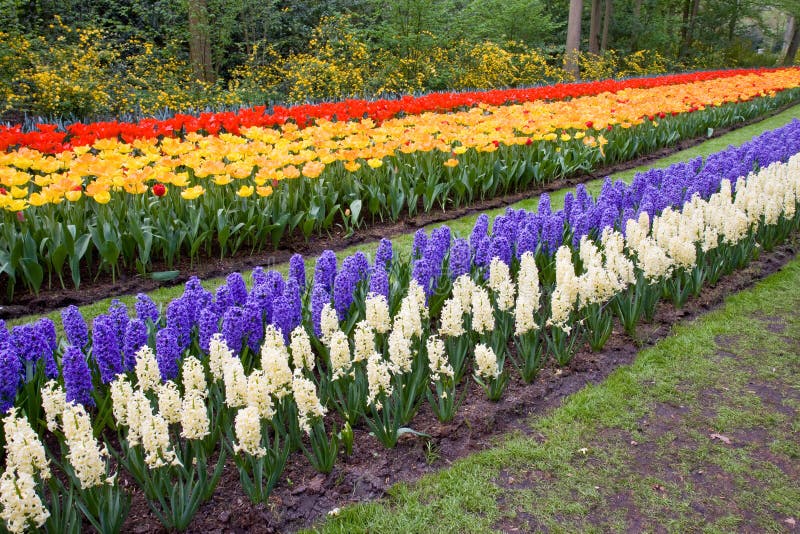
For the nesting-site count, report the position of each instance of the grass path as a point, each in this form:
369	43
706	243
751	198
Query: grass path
463	225
700	433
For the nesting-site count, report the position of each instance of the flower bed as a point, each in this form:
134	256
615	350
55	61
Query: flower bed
122	205
48	139
294	366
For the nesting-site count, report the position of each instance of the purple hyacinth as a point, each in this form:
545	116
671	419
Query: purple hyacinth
223	299
258	275
527	241
77	377
482	258
569	199
325	270
237	288
75	327
135	337
168	353
297	269
180	319
553	232
44	346
479	231
438	244
105	348
261	296
10	376
23	342
253	326
319	297
282	315
119	313
379	282
196	297
384	255
500	248
146	309
5	335
233	328
275	283
459	258
544	208
424	273
420	242
346	282
208	326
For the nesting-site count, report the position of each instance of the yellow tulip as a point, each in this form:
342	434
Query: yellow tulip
375	162
223	179
245	191
452	162
73	196
313	169
103	197
192	193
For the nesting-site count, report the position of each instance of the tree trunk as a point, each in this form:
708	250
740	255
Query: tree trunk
689	32
573	38
733	20
787	34
594	27
637	25
200	41
607	24
791	52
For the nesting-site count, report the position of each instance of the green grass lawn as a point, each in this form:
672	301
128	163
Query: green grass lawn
463	225
700	433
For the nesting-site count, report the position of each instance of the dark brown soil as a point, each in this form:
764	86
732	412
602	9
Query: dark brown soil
303	496
92	289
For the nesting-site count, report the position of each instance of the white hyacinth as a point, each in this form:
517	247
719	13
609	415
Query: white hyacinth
54	399
437	359
308	403
194	416
85	456
194	377
339	352
452	318
363	341
147	374
259	393
275	363
329	322
218	354
377	313
20	505
401	353
482	312
24	452
247	426
486	362
121	393
379	378
235	382
158	451
300	345
169	402
501	284
529	295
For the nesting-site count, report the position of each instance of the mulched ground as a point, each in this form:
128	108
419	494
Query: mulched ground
92	289
303	496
